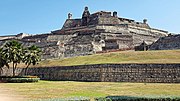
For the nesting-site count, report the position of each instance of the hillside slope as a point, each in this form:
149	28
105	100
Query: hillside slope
163	56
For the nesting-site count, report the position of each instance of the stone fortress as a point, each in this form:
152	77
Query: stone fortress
93	33
101	32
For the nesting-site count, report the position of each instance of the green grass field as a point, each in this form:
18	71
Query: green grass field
65	89
163	56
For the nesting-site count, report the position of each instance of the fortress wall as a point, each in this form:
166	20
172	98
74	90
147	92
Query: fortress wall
79	45
108	20
78	29
167	43
52	52
125	44
150	31
78	50
159	73
139	34
121	41
6	37
144	34
50	49
114	29
139	38
61	38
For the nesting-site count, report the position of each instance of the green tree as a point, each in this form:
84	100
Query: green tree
13	52
2	61
32	56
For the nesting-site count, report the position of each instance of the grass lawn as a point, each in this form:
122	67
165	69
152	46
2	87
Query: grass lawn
157	56
65	89
163	56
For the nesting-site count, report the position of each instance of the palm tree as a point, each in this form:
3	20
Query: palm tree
32	56
1	65
2	62
13	52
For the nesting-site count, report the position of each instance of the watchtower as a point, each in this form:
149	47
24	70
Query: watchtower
69	16
85	17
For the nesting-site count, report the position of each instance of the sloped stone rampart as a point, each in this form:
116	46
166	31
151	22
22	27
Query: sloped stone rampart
167	43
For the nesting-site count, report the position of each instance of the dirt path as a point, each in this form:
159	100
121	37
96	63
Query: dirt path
8	95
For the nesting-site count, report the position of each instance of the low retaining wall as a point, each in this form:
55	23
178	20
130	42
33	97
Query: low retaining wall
162	73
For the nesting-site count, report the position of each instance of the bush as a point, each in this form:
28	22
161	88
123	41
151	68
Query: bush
128	98
66	99
18	76
102	99
19	79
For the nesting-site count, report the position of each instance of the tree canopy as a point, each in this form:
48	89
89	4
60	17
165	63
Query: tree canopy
14	52
32	56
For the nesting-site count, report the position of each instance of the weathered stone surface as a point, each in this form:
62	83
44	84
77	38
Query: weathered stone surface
167	43
167	73
96	32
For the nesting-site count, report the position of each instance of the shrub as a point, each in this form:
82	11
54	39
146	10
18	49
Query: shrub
102	99
18	76
128	98
19	79
66	99
30	76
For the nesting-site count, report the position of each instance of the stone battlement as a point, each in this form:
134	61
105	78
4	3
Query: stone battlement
92	33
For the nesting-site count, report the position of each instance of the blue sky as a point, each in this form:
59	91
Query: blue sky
43	16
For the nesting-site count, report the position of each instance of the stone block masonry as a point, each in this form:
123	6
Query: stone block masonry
92	33
167	43
150	73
